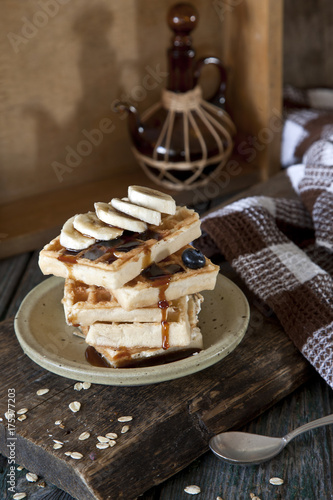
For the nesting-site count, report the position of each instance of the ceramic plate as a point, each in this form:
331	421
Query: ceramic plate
45	337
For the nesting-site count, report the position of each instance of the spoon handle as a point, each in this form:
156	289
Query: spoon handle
310	425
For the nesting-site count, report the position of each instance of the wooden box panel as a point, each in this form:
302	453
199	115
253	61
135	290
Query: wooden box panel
64	62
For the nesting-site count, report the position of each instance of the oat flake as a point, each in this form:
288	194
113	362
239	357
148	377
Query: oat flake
276	481
57	422
102	446
76	455
20	467
124	429
84	435
112	442
125	419
192	489
22	411
103	439
78	386
75	406
19	496
21	418
31	477
41	392
111	435
57	446
86	385
68	453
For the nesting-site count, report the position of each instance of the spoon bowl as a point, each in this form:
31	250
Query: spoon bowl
244	448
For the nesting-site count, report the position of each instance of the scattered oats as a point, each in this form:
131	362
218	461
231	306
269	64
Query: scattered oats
20	467
125	419
19	496
31	477
86	385
9	414
22	411
57	446
76	455
78	386
111	435
57	442
75	406
102	446
276	481
21	418
42	484
58	422
103	439
124	429
41	392
84	435
192	489
68	453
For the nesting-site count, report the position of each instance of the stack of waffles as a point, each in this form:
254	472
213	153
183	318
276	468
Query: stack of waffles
132	278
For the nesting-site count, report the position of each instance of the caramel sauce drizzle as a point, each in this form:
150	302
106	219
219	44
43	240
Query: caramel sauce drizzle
163	304
94	358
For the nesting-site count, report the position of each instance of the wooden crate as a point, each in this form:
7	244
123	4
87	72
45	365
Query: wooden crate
64	63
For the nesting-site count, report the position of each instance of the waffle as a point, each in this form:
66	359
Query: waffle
144	356
143	292
148	335
88	304
111	264
124	358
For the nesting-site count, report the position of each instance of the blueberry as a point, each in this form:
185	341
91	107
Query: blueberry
193	258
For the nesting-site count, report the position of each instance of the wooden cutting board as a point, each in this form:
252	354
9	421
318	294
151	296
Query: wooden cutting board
172	421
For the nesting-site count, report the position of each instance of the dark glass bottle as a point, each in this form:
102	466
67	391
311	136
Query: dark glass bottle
183	140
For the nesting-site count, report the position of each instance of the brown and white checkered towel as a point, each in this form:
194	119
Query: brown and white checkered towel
308	117
283	250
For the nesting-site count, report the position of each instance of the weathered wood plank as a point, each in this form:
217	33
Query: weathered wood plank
31	277
172	421
308	43
11	270
305	465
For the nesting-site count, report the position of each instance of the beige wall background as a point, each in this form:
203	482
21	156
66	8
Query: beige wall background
63	64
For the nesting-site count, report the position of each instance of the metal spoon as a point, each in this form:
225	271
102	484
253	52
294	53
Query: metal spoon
248	449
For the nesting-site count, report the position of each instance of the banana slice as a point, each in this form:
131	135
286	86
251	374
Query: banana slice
72	239
151	198
142	213
106	213
90	225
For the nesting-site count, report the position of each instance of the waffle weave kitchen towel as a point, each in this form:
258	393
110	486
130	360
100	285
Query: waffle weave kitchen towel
283	250
308	117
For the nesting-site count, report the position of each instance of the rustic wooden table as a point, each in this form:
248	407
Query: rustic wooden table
306	465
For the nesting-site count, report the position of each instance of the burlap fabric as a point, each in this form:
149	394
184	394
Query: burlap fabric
283	250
